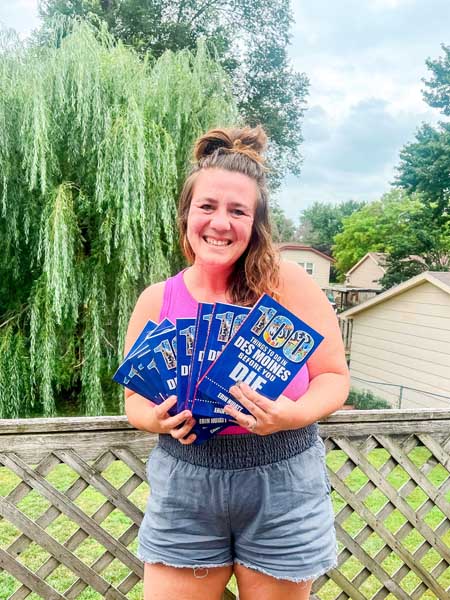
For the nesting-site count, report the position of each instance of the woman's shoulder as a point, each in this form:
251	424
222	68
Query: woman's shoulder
297	287
148	307
151	299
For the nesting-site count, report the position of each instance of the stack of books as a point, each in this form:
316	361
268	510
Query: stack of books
199	359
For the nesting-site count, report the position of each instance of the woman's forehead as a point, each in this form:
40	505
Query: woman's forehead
218	184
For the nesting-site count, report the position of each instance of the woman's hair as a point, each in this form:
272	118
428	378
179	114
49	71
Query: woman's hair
240	151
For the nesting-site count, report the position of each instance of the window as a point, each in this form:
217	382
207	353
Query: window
308	266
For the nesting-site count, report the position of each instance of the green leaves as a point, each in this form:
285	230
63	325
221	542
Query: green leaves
249	39
94	143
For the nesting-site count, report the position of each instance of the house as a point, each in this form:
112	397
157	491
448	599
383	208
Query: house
316	263
400	342
367	272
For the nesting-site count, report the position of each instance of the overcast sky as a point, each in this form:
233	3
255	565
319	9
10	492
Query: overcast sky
365	61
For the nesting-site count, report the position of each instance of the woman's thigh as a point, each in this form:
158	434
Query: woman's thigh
253	584
172	583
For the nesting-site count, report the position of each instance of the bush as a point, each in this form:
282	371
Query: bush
365	400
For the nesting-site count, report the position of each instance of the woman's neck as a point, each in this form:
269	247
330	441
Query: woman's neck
207	285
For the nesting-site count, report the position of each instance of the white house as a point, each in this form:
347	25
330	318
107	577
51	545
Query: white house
400	342
316	263
367	272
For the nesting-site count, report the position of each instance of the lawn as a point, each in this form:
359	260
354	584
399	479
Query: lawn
62	528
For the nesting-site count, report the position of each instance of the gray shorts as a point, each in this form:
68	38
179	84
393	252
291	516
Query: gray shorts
276	518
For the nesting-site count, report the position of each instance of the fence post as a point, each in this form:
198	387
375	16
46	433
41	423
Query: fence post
400	397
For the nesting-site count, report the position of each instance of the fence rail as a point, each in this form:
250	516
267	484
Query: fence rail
72	492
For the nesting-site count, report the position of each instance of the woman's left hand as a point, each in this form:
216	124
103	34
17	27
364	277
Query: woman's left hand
266	416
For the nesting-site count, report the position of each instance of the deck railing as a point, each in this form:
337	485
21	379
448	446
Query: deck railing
73	491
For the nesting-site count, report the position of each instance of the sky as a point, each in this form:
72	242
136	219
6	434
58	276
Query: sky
365	61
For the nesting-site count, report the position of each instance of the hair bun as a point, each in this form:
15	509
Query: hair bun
246	140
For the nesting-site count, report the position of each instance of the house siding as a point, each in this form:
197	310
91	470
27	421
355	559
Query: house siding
321	269
366	275
405	341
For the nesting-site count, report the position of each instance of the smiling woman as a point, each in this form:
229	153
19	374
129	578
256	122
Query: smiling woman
254	499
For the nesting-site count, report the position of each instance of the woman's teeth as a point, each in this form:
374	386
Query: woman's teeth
217	242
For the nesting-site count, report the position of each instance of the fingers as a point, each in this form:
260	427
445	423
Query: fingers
164	407
181	432
249	399
242	419
170	423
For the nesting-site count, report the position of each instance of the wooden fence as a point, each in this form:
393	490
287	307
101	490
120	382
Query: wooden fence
72	492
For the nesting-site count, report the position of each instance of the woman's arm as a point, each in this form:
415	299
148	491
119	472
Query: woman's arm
328	371
329	377
142	413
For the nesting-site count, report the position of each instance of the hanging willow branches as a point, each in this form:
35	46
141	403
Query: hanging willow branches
94	143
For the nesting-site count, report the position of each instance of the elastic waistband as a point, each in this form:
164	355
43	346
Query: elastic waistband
242	451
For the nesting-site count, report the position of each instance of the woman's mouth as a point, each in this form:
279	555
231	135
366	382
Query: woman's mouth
216	242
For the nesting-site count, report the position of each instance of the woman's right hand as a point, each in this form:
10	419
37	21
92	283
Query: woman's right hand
177	426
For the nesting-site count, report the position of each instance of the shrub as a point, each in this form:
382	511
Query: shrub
365	400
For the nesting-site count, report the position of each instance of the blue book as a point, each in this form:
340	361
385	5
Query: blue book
185	348
132	375
204	312
165	354
267	352
138	371
142	341
142	337
225	321
206	427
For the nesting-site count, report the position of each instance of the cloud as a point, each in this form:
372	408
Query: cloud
21	15
365	62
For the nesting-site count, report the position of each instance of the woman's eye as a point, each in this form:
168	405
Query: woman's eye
238	212
206	206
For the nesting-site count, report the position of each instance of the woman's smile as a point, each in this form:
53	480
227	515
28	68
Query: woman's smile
216	242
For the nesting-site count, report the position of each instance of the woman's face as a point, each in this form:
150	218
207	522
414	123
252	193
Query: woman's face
220	218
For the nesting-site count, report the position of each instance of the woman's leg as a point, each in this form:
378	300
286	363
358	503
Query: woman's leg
253	584
172	583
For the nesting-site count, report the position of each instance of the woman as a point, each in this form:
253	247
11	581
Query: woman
253	501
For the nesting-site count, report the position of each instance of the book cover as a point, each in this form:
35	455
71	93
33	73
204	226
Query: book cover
138	371
185	347
266	352
204	312
142	337
225	321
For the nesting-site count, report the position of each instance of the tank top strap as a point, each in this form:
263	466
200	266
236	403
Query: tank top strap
177	301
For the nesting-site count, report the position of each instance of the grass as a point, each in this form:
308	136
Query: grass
62	477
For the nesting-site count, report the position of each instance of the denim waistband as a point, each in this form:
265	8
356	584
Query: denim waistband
242	451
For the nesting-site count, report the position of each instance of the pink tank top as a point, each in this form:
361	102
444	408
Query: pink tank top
178	303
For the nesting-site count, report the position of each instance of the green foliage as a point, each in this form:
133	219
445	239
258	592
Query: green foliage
249	38
420	243
283	228
366	400
372	228
320	222
424	171
438	93
425	165
94	142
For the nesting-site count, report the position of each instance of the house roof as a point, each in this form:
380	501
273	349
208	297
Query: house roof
282	247
379	258
440	279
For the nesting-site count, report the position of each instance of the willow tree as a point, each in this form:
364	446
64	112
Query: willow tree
94	142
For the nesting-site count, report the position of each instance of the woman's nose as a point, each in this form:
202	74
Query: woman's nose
220	220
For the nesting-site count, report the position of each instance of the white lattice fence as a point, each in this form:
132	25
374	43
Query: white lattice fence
72	492
391	490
